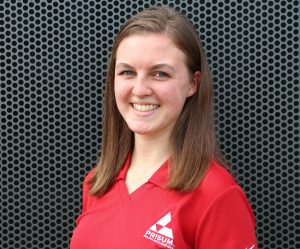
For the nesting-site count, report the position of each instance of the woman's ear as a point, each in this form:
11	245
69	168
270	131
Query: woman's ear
194	83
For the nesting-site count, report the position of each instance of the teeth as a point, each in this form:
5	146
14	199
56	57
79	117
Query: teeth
144	108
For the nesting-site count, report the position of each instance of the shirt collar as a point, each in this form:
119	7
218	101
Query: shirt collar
123	171
159	178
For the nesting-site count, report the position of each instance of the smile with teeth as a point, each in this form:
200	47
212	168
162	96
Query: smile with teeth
145	108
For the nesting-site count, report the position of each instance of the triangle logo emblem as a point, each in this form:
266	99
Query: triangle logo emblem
161	232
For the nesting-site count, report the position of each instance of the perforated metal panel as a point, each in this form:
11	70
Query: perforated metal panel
53	57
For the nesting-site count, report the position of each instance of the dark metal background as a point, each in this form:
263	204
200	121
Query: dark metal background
53	57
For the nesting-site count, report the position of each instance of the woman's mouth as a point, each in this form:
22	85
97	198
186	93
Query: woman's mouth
144	108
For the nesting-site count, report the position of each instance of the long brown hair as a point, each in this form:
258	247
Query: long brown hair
192	142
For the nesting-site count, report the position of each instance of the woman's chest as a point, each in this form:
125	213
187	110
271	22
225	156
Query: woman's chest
143	220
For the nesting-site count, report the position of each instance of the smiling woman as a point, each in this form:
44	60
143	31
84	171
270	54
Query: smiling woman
151	89
159	151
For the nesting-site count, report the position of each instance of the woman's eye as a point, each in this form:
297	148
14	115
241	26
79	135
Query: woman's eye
161	74
127	73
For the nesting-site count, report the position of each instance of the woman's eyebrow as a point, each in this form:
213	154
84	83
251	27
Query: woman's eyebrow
122	64
154	67
163	65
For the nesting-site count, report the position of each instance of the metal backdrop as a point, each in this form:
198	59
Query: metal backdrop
53	57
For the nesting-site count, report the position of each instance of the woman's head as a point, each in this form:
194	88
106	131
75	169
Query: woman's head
192	140
166	21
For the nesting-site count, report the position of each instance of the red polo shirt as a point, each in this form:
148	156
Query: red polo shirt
216	215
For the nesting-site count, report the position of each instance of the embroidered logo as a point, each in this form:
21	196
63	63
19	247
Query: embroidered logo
160	232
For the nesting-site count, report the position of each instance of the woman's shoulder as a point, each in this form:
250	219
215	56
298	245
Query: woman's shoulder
219	174
227	212
86	185
219	190
89	175
216	181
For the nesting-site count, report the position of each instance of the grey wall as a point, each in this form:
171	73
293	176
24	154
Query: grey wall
53	57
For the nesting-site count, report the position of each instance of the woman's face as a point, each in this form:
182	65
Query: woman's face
152	83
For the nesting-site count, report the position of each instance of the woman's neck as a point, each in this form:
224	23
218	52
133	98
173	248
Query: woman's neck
147	156
150	152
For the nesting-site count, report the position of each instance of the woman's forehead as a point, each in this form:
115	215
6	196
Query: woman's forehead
150	47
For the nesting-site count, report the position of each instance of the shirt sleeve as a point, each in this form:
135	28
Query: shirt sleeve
229	223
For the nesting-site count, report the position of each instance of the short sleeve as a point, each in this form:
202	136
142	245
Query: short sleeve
229	223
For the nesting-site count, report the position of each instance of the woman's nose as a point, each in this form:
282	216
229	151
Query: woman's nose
142	86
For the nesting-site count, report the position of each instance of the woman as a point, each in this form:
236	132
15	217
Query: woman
159	182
